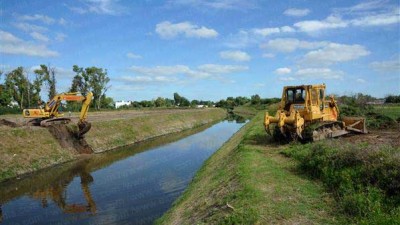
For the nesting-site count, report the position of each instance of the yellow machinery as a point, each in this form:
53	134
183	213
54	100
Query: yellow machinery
305	114
50	115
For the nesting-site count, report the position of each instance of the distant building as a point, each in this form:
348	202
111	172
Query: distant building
376	102
121	103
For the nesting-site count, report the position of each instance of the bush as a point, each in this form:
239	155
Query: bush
10	110
364	179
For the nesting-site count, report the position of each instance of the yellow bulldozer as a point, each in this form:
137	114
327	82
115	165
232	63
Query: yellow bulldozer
305	114
50	114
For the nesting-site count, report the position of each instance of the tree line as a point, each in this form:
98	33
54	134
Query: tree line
16	86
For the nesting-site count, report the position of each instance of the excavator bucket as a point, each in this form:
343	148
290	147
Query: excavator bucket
83	128
355	124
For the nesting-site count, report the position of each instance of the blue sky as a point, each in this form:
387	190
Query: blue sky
208	49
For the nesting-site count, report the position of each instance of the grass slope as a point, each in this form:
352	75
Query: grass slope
247	181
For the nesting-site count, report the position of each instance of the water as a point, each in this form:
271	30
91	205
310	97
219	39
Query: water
134	185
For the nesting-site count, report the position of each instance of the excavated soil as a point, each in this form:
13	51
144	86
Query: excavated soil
377	137
68	139
9	123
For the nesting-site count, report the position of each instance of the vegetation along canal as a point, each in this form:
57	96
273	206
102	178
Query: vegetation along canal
134	185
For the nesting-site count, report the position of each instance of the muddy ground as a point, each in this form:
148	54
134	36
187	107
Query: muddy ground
377	137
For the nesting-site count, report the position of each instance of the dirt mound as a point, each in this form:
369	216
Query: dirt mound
9	123
68	139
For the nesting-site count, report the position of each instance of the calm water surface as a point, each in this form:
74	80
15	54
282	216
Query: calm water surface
134	185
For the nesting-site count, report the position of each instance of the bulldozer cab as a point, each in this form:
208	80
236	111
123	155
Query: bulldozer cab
295	96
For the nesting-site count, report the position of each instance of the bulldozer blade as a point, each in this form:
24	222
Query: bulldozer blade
83	128
355	124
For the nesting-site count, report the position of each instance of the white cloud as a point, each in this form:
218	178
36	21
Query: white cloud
149	74
216	4
240	40
286	79
170	30
272	30
39	37
331	22
60	37
133	55
296	12
359	80
291	44
62	21
382	19
16	46
148	79
221	69
268	55
37	17
239	56
107	7
318	73
27	27
386	66
333	53
283	70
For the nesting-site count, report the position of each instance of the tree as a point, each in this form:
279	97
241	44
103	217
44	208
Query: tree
184	102
18	86
177	98
91	79
159	102
5	96
49	76
255	99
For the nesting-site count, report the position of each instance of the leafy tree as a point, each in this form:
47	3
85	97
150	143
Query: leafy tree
107	102
184	102
5	96
17	85
177	99
194	102
392	99
48	75
159	102
255	99
91	79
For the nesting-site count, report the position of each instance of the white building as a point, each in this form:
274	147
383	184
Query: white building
121	103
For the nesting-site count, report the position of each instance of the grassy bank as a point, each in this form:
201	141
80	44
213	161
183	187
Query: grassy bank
110	134
364	178
248	181
27	149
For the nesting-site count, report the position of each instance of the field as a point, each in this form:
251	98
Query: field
392	111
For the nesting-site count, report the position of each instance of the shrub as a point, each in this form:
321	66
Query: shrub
364	179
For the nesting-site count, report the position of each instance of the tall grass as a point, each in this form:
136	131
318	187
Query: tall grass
364	179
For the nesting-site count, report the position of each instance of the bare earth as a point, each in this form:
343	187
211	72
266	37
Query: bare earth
105	115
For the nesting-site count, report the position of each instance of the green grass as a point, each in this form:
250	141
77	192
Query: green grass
364	179
248	181
392	111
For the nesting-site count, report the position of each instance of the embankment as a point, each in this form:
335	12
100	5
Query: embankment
27	149
248	181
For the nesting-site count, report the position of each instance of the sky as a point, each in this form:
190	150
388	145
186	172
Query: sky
208	49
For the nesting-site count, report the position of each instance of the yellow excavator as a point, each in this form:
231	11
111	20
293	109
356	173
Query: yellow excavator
50	114
304	114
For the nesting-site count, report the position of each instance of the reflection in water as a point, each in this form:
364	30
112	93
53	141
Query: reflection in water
134	185
57	192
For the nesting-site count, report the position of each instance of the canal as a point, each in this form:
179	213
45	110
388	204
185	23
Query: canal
133	185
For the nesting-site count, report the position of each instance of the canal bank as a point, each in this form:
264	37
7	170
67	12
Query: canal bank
27	149
248	181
